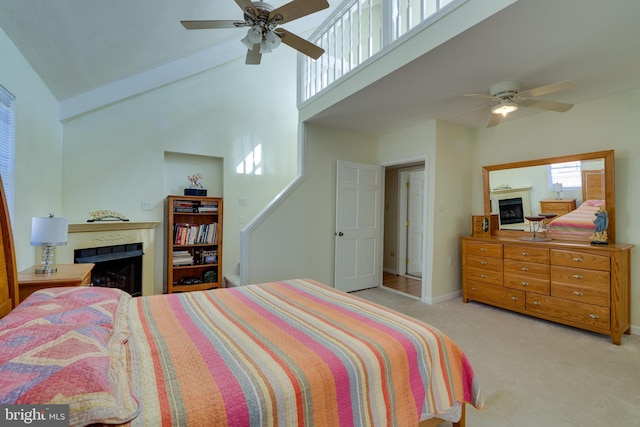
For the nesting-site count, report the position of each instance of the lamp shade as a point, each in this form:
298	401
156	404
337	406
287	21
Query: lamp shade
557	187
49	231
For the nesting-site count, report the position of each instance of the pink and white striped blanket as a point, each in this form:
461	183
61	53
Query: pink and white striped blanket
291	353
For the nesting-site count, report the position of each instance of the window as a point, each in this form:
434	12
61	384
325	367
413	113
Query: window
7	145
568	174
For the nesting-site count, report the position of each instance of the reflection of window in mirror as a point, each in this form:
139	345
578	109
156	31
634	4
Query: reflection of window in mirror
568	174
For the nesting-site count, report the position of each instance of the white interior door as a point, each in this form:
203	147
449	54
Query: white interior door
415	223
358	226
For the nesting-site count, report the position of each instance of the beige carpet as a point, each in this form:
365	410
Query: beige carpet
533	372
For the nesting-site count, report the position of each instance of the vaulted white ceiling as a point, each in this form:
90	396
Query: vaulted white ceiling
79	46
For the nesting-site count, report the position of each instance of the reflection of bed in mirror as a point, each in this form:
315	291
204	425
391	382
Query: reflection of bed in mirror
579	224
598	183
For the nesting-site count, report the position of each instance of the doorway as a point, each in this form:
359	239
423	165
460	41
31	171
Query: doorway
404	228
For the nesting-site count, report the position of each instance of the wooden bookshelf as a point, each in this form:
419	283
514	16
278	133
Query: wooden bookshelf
194	243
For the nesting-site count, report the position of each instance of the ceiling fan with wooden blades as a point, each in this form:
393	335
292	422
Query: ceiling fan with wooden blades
507	98
263	21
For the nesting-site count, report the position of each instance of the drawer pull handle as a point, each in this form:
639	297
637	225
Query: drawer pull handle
577	259
578	293
577	276
514	298
524	268
524	283
483	249
484	276
594	316
483	263
524	253
537	303
474	289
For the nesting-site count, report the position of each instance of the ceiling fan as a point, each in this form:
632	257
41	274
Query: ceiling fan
508	98
263	20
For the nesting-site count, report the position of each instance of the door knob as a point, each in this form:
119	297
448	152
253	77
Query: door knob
340	233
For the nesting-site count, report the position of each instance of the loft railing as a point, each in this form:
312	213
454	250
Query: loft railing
360	29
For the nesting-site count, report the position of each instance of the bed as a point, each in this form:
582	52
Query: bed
578	224
285	353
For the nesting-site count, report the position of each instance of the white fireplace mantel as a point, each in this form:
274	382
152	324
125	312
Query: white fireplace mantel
513	193
108	233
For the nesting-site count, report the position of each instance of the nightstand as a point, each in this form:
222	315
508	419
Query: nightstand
557	206
67	275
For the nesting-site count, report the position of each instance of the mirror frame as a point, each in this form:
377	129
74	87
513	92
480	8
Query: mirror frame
609	185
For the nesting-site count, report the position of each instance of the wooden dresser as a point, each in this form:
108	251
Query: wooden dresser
557	206
577	284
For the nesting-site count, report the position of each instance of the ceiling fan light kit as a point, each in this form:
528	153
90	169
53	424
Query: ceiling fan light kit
254	35
504	107
262	20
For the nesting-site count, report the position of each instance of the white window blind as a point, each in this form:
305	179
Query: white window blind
568	174
8	145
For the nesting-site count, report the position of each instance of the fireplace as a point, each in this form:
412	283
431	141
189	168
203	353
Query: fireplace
114	233
511	211
116	266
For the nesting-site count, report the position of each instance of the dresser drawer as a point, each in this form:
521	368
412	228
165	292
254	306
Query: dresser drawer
558	208
484	263
484	249
522	253
581	277
585	314
526	269
581	294
580	259
529	284
484	276
497	295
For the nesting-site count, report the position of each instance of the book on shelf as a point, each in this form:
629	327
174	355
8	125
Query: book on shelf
208	206
185	206
182	258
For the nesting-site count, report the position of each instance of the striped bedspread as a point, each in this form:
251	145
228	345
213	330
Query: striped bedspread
577	223
291	353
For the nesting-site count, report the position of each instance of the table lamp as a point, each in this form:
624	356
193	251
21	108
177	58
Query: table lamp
48	232
557	188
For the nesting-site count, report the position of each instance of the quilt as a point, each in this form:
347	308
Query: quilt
289	353
577	223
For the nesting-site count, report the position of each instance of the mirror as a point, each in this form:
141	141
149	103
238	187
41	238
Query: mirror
528	182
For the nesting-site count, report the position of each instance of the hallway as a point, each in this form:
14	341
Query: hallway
404	284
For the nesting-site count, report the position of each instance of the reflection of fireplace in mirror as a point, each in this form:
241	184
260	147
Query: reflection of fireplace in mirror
511	211
118	266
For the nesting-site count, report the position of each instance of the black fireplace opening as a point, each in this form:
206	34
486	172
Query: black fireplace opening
117	266
511	211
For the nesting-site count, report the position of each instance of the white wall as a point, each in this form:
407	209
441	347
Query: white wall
38	148
452	194
114	158
447	151
297	238
608	123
